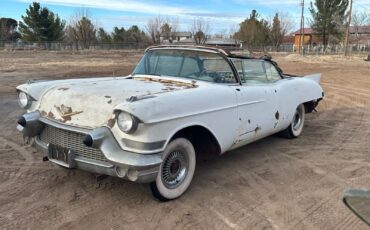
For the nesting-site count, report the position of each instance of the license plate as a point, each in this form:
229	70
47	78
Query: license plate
59	153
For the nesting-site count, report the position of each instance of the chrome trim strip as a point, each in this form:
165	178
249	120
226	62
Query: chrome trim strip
40	144
147	146
64	126
93	162
251	102
61	163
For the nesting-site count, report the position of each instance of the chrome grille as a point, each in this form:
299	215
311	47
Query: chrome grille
70	140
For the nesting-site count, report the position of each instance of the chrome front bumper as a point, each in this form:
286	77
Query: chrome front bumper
119	163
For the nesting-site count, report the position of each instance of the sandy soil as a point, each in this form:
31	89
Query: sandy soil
271	184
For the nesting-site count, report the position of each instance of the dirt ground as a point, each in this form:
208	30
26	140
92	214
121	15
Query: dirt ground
271	184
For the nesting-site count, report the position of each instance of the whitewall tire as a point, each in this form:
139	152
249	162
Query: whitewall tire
296	126
176	171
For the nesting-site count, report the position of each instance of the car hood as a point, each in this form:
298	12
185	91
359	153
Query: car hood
91	103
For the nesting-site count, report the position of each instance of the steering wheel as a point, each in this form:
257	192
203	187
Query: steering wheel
197	74
217	77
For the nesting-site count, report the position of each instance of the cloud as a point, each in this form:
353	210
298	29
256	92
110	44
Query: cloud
126	6
145	9
269	3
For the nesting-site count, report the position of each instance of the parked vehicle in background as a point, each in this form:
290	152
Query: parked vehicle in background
179	103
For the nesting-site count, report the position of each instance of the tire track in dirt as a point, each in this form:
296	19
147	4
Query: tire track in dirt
22	169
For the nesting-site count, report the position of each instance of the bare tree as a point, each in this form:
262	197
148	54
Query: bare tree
200	30
232	30
81	30
359	19
153	27
161	26
280	25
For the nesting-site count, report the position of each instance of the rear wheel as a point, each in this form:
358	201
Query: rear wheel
176	171
296	126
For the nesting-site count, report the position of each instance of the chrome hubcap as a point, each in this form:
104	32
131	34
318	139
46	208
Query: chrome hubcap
297	120
175	168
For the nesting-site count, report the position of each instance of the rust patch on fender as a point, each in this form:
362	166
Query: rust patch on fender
51	115
277	115
257	129
66	112
111	122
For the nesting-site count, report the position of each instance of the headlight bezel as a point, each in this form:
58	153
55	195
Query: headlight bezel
27	104
132	122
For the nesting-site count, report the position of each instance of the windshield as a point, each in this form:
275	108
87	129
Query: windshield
190	64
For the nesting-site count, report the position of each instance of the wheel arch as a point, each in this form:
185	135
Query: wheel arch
205	143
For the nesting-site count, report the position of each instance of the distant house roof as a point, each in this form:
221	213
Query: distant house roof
359	29
222	41
289	39
178	34
305	31
182	34
352	30
187	41
213	41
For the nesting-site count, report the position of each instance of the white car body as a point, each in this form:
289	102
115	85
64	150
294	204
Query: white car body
235	114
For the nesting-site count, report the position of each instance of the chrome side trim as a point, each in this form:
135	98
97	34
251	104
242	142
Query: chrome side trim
148	146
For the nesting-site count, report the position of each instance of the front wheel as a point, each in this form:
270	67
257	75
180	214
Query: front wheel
296	126
176	171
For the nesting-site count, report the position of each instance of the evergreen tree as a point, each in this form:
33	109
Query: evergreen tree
166	31
82	32
132	35
276	34
253	31
8	29
40	24
103	36
119	34
328	18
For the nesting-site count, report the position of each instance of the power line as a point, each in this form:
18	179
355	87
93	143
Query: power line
348	27
302	29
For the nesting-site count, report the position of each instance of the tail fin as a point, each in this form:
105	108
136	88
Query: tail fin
314	77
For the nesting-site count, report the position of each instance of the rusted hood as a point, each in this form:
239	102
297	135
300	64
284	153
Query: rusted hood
91	103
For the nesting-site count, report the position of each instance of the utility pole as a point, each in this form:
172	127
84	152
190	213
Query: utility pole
348	27
302	30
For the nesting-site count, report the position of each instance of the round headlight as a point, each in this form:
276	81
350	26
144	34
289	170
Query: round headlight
24	100
126	122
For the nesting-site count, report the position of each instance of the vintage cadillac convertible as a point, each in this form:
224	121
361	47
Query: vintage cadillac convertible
179	104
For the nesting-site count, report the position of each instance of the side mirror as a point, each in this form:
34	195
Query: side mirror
358	201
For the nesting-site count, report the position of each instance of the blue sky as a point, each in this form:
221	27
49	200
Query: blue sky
223	15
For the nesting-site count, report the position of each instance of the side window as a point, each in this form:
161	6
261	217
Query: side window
239	67
254	71
271	72
217	69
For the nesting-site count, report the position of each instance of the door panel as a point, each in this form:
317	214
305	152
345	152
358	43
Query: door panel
261	100
256	112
